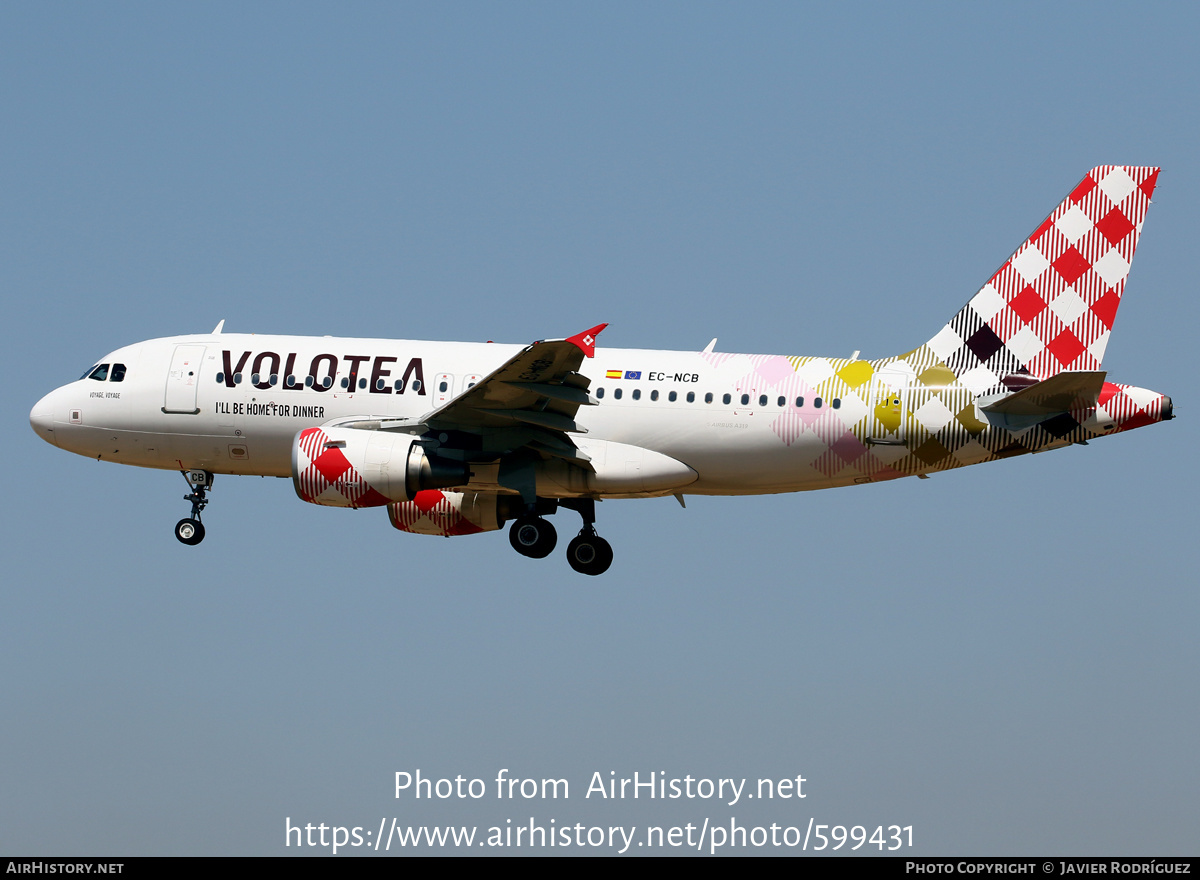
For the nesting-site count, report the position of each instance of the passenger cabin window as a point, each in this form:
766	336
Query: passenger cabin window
616	393
817	402
118	373
600	392
708	397
691	397
762	400
345	382
362	383
837	403
745	399
725	399
637	393
654	394
100	373
672	397
799	402
782	401
416	386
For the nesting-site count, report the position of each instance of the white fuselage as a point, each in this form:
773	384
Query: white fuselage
744	424
456	438
219	403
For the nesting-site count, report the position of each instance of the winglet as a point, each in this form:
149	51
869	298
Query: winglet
220	326
586	341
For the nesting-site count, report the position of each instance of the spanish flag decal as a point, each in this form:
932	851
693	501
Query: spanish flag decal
613	374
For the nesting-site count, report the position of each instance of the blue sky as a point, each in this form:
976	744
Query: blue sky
1002	657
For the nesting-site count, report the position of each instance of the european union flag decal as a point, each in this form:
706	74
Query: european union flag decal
633	374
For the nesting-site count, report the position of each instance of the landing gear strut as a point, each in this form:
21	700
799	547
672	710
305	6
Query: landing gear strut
191	531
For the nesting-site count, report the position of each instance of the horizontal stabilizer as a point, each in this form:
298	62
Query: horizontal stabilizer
1063	392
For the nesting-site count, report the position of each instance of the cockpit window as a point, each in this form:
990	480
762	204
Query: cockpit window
100	373
118	373
88	371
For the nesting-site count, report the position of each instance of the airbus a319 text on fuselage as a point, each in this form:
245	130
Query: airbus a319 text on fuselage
455	438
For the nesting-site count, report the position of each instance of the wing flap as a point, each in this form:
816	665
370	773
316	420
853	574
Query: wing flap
573	456
565	393
543	419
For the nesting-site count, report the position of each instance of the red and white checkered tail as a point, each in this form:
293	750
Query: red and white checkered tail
1051	306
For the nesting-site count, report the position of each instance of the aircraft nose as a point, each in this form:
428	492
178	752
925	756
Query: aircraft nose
41	418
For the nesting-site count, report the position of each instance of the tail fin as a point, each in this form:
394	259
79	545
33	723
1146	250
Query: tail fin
1051	306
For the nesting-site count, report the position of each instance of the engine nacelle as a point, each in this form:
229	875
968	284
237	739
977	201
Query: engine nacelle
618	469
349	467
434	512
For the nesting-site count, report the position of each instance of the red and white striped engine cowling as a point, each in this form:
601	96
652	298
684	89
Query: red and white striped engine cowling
343	467
436	512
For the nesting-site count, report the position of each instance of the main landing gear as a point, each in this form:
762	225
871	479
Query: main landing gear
587	553
533	536
191	531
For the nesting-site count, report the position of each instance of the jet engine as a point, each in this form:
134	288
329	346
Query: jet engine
349	467
434	512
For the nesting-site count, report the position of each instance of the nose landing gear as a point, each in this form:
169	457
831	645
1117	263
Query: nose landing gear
191	531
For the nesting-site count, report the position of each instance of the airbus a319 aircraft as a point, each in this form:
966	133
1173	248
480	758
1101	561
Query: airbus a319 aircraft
455	438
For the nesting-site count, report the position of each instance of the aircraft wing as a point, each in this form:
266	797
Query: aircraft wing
539	386
529	402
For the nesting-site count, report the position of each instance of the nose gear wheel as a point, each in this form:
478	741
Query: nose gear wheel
190	531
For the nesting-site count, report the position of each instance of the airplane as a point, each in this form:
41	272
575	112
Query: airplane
458	438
